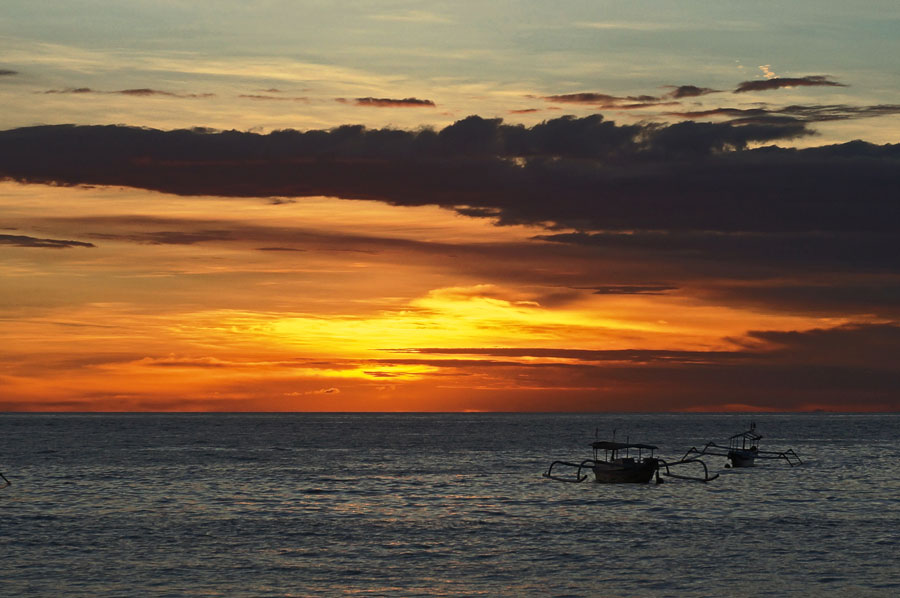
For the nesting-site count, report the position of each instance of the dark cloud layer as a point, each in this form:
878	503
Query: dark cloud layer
794	113
808	231
780	82
8	72
793	228
583	173
26	241
844	368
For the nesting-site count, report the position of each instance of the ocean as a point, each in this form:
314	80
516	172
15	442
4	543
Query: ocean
112	505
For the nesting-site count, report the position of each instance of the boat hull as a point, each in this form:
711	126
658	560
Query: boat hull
742	458
625	473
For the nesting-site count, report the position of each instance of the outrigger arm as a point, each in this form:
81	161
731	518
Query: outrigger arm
717	450
661	463
706	477
578	477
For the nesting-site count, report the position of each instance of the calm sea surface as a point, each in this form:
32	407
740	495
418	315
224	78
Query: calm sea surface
438	505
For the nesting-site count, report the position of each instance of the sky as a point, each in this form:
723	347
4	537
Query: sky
383	205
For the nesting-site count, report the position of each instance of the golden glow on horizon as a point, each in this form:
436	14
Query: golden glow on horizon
167	312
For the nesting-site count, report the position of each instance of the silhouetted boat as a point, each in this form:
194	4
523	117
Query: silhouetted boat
620	466
743	450
616	469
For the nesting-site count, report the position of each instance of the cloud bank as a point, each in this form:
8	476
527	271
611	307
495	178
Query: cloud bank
587	174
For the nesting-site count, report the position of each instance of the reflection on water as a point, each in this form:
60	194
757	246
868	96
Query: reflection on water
453	505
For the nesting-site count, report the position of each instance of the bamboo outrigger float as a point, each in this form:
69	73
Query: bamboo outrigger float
615	468
743	450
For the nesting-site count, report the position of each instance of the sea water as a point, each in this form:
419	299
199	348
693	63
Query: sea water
439	505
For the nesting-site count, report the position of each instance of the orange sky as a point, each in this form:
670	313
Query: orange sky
329	305
387	206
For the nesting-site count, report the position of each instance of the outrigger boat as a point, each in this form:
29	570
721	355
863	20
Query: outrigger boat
743	450
615	468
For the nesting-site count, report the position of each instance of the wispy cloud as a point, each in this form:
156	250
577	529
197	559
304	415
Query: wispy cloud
389	102
137	92
26	241
794	113
271	98
605	101
633	289
413	16
646	26
608	101
783	82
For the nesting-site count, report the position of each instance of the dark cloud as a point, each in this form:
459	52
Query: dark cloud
468	164
636	356
601	99
793	114
143	92
780	82
584	173
874	346
838	112
25	241
140	92
811	295
846	368
690	91
392	102
8	72
633	289
71	90
771	252
609	102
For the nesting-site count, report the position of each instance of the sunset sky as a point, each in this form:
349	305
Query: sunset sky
383	205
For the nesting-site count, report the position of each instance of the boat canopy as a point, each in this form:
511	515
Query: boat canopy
749	435
617	446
